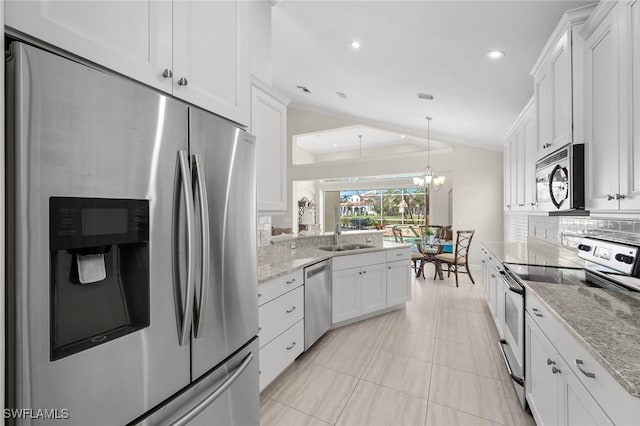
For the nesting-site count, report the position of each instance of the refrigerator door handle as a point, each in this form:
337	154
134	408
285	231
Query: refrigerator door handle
202	405
184	177
201	307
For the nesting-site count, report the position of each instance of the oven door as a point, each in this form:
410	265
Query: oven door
512	319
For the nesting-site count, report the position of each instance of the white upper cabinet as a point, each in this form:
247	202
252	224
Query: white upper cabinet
612	93
130	37
196	50
520	158
556	74
211	56
602	113
269	125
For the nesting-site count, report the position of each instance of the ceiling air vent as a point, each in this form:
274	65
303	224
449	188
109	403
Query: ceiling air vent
303	89
341	95
425	96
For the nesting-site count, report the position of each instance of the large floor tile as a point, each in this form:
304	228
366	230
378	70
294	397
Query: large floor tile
342	354
463	333
273	413
439	415
403	342
375	405
422	320
314	390
402	373
519	415
469	393
473	359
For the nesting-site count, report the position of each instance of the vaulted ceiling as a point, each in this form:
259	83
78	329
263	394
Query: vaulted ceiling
433	47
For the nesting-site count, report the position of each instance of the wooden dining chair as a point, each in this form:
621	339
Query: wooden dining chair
416	257
430	251
458	261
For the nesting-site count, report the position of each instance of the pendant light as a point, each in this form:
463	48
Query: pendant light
428	173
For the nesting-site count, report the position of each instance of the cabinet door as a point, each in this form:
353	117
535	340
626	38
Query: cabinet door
508	179
544	110
530	150
210	56
269	125
602	114
374	288
576	406
630	148
520	169
130	37
398	282
541	384
562	114
346	296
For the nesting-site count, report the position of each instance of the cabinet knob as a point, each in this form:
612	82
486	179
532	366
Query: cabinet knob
549	362
555	370
364	272
183	81
360	273
167	73
537	313
620	196
546	145
388	267
610	197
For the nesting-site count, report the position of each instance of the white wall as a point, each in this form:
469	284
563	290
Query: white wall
476	175
439	202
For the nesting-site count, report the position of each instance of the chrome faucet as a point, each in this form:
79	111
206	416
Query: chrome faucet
337	231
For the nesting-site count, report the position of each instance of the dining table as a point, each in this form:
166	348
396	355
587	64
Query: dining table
423	245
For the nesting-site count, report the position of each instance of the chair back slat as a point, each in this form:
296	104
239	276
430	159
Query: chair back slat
397	234
463	242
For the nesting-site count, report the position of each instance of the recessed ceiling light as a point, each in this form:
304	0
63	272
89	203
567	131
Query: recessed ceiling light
355	44
335	144
495	54
403	136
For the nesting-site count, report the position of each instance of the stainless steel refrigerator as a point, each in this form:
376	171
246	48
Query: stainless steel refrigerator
132	285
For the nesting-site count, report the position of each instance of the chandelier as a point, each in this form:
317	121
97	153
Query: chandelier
428	181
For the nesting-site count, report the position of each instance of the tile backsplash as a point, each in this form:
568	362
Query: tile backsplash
264	230
568	231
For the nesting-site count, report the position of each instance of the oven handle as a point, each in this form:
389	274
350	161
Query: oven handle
517	289
515	378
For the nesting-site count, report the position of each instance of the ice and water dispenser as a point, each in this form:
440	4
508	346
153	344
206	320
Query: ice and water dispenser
99	271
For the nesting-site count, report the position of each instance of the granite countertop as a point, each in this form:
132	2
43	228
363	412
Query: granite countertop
605	322
269	268
534	253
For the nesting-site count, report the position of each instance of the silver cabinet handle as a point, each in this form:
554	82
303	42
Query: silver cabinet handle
520	205
549	362
555	370
291	281
201	307
610	197
399	254
579	364
291	310
536	312
533	204
167	73
291	347
183	81
215	394
184	177
364	272
620	196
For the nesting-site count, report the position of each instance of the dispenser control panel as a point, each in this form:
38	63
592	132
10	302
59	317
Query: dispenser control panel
83	223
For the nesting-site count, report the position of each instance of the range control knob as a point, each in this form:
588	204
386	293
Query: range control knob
624	258
584	247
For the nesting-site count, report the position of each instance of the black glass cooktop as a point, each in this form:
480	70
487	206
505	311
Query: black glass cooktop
546	274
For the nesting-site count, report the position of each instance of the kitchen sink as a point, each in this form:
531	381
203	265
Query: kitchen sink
346	247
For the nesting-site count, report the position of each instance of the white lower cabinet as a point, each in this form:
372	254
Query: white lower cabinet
555	394
369	282
398	282
280	353
280	324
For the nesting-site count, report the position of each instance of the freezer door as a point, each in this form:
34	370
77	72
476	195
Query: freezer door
230	313
226	396
79	132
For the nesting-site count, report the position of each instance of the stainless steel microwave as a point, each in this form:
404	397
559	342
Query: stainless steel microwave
560	179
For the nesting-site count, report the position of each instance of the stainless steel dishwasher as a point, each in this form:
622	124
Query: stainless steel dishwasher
317	302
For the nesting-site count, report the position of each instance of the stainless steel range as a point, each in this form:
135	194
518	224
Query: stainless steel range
609	265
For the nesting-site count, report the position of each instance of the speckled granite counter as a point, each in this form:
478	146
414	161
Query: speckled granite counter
534	253
605	322
270	267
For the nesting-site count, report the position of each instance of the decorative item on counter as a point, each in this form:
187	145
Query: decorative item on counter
306	214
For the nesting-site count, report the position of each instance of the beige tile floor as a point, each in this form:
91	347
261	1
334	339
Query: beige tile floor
433	363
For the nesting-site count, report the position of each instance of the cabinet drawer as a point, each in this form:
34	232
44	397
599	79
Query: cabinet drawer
357	260
280	314
271	289
280	353
542	317
617	403
399	254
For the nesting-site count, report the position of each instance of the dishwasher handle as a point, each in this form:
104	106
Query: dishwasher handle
313	272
